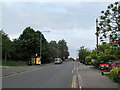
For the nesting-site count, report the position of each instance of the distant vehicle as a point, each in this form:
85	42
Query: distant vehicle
58	61
67	60
86	63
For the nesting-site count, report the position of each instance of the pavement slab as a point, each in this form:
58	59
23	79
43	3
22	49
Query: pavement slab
91	78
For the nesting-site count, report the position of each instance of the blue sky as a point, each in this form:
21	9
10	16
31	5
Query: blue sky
72	21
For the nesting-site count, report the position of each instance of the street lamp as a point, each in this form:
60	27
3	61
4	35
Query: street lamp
41	44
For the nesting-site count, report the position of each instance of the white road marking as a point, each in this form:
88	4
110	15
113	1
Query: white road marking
74	82
72	71
80	81
74	67
77	68
80	87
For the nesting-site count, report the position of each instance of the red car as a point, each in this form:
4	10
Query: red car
104	66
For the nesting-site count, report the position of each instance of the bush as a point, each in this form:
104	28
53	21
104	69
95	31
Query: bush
87	58
115	73
90	63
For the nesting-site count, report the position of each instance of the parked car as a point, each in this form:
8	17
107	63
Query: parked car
61	60
114	64
58	61
104	66
29	63
112	61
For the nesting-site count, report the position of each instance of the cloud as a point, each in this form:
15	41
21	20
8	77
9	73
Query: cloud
72	21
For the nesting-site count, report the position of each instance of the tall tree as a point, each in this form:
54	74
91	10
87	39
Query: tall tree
28	45
62	45
7	46
109	22
54	50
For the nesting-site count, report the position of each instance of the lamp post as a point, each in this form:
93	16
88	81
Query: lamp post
41	44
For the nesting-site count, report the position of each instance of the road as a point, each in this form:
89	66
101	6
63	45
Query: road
53	76
66	75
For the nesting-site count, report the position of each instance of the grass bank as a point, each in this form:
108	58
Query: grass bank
14	63
113	78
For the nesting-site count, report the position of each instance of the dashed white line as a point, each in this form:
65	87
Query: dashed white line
77	68
74	67
72	71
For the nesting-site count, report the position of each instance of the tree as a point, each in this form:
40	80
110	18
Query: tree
54	51
108	52
7	46
83	52
62	45
109	22
93	54
28	43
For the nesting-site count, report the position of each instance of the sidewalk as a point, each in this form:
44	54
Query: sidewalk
11	70
92	78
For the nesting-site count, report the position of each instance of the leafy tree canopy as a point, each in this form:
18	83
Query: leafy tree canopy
109	22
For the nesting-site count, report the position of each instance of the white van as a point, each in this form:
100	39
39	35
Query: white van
58	60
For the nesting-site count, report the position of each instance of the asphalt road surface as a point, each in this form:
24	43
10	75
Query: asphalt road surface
66	75
53	76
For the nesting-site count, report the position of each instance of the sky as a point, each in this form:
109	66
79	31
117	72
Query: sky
72	21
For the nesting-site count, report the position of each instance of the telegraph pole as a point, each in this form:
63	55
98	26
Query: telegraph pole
97	34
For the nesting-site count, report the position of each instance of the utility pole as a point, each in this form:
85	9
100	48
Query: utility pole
41	44
97	34
57	50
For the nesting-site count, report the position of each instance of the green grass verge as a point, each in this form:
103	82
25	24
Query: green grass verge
113	78
14	63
